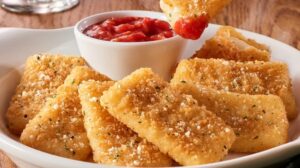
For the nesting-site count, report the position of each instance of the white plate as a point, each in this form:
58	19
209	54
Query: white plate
17	44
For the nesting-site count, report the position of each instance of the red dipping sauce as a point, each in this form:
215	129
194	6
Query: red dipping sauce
130	29
191	27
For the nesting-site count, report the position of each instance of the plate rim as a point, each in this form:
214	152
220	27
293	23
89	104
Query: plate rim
47	158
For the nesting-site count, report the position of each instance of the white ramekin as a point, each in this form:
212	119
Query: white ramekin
118	59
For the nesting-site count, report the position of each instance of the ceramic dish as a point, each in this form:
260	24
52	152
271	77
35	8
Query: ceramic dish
17	44
118	59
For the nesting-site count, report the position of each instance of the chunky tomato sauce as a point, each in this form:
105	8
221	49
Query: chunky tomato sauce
130	29
191	27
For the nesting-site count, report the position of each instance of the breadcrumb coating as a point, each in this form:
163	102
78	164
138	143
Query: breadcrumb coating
241	77
112	142
43	74
229	44
174	122
176	9
259	121
58	127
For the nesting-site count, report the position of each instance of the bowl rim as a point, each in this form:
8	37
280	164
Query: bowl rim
79	33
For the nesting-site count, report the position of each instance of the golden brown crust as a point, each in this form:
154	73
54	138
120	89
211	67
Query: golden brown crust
229	44
241	77
43	74
259	121
175	123
112	142
176	9
58	127
228	31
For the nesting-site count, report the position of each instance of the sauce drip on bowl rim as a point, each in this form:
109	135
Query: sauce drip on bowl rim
130	29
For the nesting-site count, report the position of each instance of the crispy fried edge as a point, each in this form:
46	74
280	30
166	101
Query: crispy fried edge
150	129
15	115
267	109
94	113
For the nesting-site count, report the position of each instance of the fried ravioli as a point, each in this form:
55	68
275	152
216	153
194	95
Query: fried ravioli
241	77
259	121
112	142
176	9
174	122
58	127
229	44
43	74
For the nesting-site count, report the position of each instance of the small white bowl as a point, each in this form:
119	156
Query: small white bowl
118	59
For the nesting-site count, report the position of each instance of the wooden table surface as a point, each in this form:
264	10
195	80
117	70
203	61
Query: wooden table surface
279	19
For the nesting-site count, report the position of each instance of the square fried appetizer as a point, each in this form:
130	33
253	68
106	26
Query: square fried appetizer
189	18
43	74
174	122
58	127
259	121
229	44
113	142
176	9
241	77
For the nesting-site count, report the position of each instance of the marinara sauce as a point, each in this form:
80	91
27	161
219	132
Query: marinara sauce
191	27
130	29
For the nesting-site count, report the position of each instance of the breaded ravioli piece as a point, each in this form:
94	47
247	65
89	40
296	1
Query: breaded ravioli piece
259	121
83	73
43	74
176	9
229	44
189	18
58	127
253	78
174	122
112	142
